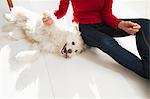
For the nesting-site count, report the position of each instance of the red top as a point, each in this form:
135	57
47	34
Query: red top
89	11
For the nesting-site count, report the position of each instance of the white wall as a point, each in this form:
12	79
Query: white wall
132	8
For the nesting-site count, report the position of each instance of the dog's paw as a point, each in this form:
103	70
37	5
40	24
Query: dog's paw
8	17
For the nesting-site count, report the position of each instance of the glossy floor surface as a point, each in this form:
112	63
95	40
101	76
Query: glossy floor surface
90	75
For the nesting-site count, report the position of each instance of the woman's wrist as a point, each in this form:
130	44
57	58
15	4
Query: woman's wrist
121	25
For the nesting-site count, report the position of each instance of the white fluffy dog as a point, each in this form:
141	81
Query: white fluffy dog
43	37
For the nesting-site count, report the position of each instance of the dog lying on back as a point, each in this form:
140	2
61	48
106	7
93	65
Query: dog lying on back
45	38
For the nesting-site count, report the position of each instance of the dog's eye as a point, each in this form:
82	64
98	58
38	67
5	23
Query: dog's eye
76	51
70	51
73	43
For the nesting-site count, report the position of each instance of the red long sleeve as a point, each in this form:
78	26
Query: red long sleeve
107	15
63	7
89	11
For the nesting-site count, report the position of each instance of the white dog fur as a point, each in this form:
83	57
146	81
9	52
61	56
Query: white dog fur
44	38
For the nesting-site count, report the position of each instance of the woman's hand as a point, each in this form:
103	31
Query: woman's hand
47	21
129	27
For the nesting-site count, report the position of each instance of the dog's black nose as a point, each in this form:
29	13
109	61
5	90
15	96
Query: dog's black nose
73	43
70	51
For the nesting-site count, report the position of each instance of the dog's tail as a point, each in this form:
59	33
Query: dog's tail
28	56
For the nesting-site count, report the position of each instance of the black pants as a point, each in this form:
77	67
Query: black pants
101	36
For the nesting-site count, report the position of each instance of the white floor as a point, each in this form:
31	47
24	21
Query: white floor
91	75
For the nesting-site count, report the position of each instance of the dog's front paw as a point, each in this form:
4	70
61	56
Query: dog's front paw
8	17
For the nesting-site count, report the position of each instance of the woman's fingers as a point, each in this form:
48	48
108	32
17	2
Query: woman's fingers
136	27
47	20
132	31
129	24
133	25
